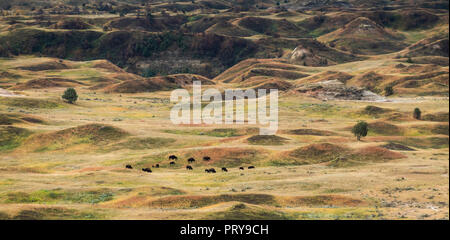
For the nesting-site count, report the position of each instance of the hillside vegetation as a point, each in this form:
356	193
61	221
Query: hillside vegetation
363	115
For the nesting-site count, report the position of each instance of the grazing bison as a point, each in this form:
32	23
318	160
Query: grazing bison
147	170
157	166
206	158
172	163
241	168
212	170
129	167
224	169
189	167
251	167
173	157
191	160
206	170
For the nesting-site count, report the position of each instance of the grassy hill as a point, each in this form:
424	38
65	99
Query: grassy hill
334	62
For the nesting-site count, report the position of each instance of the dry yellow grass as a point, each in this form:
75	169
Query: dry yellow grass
76	177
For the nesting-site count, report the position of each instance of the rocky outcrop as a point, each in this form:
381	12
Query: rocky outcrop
336	90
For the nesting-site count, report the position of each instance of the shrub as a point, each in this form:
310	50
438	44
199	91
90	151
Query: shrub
70	95
417	114
360	130
148	72
388	91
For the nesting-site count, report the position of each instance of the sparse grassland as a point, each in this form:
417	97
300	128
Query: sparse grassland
314	164
85	160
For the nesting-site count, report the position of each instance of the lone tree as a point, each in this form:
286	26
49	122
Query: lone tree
360	130
70	95
417	114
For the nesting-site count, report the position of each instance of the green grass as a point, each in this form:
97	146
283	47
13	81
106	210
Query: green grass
233	157
60	196
425	143
194	18
374	111
64	144
244	212
319	109
53	213
385	129
437	117
317	153
165	191
203	201
223	132
319	32
335	190
441	129
79	73
218	132
8	119
338	214
267	140
12	137
144	143
98	135
29	103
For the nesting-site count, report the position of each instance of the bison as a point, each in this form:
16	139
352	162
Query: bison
241	168
157	166
189	167
129	167
191	160
206	158
251	167
212	170
147	170
206	170
173	157
224	169
172	163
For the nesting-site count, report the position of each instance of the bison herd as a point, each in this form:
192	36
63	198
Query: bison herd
173	159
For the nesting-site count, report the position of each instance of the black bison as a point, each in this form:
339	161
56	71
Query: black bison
224	169
129	167
206	159
191	160
173	157
189	167
206	170
157	166
241	168
251	167
147	170
172	163
212	170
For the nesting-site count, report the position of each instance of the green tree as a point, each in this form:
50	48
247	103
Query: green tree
417	114
360	130
70	95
